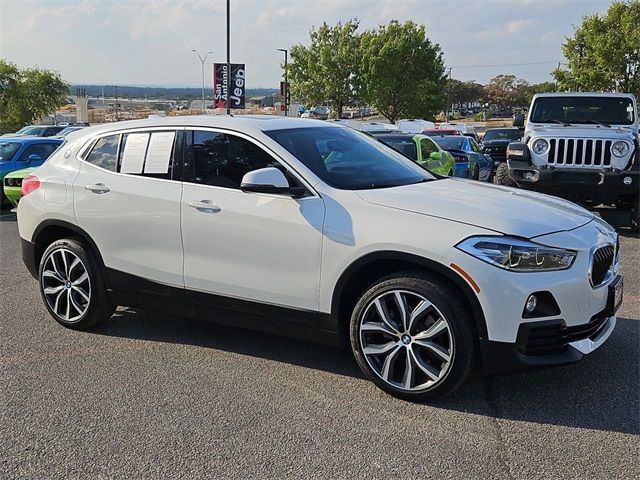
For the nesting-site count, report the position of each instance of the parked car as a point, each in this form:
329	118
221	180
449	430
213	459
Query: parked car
422	150
17	153
66	131
460	146
377	127
239	220
38	131
414	125
437	132
494	143
463	128
12	184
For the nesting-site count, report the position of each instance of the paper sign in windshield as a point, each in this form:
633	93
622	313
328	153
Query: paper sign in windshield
159	152
134	152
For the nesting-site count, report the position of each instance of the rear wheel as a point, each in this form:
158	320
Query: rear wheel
413	336
72	285
502	176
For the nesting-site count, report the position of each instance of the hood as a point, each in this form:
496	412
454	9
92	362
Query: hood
20	173
501	209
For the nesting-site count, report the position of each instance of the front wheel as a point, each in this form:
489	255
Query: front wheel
413	336
502	176
72	285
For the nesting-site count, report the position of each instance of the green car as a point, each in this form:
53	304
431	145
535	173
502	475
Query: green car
421	149
12	184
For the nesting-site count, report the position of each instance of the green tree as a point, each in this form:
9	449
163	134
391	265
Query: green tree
542	87
604	52
462	93
507	91
27	94
402	72
327	70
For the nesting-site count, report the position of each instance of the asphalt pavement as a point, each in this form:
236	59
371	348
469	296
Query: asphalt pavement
158	396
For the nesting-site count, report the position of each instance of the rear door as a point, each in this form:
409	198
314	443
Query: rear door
127	198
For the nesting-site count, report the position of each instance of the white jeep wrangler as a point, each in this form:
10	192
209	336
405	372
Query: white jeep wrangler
580	146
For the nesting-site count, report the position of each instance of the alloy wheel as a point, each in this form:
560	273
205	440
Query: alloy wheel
65	285
406	340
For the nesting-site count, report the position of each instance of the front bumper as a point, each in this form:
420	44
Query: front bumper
13	194
545	344
579	184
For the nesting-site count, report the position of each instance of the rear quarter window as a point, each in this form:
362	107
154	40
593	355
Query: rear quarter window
104	153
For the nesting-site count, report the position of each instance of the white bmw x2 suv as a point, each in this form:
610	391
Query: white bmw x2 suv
314	230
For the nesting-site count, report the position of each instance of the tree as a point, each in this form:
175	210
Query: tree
402	71
327	70
604	52
542	87
26	95
507	91
465	92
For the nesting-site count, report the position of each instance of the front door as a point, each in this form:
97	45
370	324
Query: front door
247	251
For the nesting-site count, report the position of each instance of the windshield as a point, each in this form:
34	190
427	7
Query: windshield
347	159
8	150
586	110
450	143
31	130
507	134
66	131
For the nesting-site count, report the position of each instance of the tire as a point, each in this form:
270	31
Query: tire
72	285
384	348
502	176
635	219
475	175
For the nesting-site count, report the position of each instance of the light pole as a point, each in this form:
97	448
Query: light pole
286	82
202	60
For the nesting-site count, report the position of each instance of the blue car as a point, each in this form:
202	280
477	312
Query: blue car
480	164
17	153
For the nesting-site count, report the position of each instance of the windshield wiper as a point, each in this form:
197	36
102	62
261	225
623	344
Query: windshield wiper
553	120
595	122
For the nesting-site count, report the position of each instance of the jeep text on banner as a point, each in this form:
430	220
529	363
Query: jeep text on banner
220	85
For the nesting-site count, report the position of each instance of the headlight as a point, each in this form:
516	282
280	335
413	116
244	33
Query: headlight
516	254
620	148
540	146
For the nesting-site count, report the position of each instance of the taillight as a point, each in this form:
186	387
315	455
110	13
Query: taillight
29	184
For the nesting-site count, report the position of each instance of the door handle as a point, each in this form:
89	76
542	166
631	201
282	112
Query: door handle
205	206
98	188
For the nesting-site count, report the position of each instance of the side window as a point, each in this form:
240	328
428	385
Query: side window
474	146
147	153
221	160
105	153
41	149
427	147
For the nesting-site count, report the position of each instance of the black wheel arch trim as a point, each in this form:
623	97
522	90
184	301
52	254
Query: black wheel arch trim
75	229
423	262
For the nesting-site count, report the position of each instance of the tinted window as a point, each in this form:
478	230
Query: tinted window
405	146
147	153
347	159
8	150
450	143
221	160
41	149
105	153
31	131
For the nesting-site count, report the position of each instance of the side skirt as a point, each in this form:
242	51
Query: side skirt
136	292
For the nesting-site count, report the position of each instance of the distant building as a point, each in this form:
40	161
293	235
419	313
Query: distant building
197	104
261	102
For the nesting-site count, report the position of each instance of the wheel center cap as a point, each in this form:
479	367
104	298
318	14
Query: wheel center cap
406	339
67	284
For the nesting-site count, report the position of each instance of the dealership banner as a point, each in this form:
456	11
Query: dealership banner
221	87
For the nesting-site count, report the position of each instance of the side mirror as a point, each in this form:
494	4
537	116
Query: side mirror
435	156
34	157
269	180
518	120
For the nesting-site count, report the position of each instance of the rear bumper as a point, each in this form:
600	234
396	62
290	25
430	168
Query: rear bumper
29	257
545	344
578	184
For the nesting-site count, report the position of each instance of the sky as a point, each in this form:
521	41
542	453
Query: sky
150	42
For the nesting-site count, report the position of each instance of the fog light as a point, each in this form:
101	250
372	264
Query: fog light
530	176
531	304
627	180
